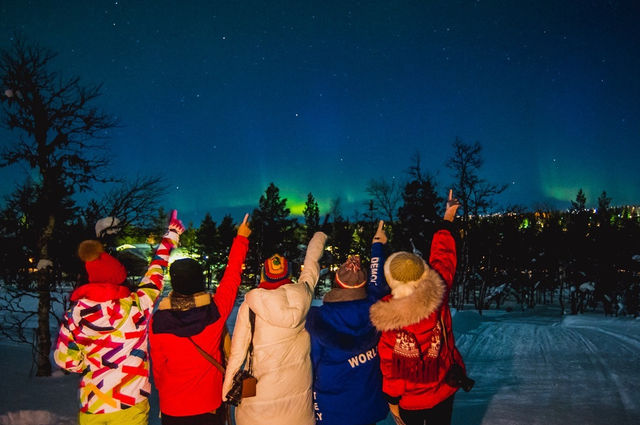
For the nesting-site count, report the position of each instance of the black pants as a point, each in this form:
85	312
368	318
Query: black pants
440	414
203	419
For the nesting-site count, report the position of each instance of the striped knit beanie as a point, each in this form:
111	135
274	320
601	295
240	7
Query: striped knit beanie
275	272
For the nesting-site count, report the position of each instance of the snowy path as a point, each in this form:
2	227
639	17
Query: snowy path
530	368
544	369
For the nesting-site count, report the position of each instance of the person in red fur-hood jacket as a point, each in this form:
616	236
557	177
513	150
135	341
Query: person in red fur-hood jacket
188	324
417	350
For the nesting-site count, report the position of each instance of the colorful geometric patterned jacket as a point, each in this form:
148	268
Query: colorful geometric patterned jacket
104	336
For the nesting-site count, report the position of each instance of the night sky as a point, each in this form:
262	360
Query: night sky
226	97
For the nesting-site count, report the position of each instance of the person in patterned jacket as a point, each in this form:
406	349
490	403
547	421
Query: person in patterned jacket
104	334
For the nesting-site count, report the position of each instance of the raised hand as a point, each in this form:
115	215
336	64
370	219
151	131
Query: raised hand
175	225
452	207
243	229
380	235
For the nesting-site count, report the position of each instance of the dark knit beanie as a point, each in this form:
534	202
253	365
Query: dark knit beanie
101	267
187	276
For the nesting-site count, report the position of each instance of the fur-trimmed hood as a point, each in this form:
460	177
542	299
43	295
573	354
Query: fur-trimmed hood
402	310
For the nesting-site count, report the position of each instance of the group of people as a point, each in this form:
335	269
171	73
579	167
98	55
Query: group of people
381	341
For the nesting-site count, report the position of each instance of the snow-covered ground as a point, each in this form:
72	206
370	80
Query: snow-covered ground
533	367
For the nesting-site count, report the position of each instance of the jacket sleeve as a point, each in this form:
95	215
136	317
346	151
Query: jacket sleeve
311	268
393	388
239	347
228	288
377	286
69	353
443	255
153	280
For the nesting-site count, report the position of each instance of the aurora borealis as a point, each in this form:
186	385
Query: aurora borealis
321	97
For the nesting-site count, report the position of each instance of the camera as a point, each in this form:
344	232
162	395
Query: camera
243	386
235	392
456	377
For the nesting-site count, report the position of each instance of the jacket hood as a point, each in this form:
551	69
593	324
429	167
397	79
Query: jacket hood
398	311
343	325
100	292
185	316
283	307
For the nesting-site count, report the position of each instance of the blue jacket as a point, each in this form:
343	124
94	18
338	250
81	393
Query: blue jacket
347	382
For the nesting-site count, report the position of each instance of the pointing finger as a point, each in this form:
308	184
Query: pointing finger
380	225
450	194
246	217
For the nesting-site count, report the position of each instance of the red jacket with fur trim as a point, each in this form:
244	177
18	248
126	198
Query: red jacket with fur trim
418	314
188	384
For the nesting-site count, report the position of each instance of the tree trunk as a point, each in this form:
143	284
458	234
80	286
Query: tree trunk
43	333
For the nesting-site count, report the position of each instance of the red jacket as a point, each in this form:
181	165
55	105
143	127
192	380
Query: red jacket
418	313
188	384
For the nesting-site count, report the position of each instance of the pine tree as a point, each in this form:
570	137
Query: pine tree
418	214
272	229
206	237
604	202
311	215
580	203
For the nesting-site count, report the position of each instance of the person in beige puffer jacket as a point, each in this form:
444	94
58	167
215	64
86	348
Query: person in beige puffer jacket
281	345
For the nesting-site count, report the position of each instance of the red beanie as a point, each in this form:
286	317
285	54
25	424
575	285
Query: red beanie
101	267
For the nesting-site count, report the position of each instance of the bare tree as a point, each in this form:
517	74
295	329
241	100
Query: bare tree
55	128
476	197
385	196
132	203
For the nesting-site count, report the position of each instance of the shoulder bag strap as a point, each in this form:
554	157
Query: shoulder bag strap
207	356
252	321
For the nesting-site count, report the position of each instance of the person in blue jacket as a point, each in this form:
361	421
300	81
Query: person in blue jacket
347	382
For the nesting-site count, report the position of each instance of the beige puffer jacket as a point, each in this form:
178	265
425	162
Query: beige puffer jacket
281	361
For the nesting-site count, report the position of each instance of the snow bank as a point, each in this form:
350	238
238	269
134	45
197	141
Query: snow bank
32	417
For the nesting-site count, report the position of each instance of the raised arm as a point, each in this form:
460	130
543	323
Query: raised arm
153	280
443	257
377	286
311	269
228	288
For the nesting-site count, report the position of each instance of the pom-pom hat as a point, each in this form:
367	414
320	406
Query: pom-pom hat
101	267
350	274
349	282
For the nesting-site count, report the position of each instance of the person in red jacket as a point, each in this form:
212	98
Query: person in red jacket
416	347
188	320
